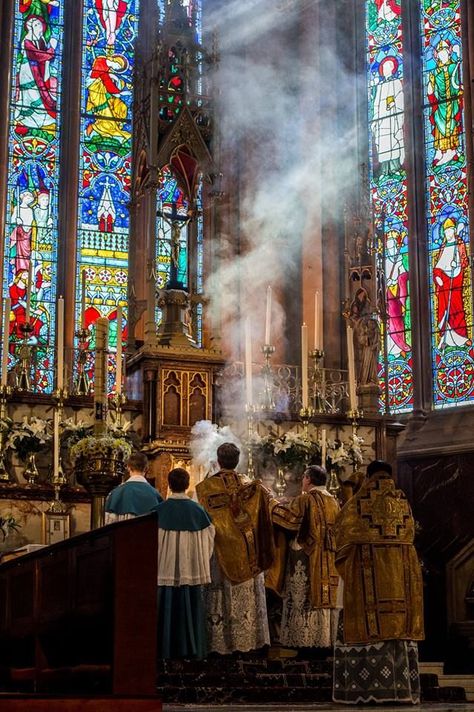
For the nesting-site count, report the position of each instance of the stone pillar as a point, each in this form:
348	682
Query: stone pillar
69	169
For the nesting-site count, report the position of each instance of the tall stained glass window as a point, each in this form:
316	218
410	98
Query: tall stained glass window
446	204
388	185
31	238
110	30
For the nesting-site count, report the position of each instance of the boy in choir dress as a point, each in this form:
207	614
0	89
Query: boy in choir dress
185	546
135	496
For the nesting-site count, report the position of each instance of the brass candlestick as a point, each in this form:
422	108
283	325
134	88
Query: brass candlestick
82	383
318	381
305	415
23	380
118	400
267	395
250	410
5	391
58	479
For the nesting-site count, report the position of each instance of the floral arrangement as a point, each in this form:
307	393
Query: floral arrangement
101	446
295	449
29	437
289	449
8	525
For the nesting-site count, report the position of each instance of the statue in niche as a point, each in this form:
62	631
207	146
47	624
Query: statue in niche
366	337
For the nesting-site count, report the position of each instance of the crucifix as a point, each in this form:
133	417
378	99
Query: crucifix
176	223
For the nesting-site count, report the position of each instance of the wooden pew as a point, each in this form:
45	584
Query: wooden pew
79	617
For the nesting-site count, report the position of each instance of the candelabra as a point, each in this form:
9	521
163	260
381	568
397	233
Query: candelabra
4	393
267	402
82	384
280	483
318	381
250	410
23	381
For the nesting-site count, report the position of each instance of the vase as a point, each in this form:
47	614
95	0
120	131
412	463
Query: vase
334	485
31	473
280	483
98	474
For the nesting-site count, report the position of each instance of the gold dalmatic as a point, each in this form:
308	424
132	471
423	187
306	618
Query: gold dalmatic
383	596
311	517
240	514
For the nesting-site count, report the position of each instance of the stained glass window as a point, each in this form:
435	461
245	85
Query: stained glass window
110	30
388	185
33	172
446	204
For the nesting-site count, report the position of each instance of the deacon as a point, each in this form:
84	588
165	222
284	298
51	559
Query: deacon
185	545
306	576
376	655
239	509
135	496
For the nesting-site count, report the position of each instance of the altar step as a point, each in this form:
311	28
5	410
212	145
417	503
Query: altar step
439	686
228	679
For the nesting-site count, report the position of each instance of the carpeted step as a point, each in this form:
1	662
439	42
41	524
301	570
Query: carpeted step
227	695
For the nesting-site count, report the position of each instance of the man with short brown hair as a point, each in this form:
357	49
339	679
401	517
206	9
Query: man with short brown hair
135	496
239	508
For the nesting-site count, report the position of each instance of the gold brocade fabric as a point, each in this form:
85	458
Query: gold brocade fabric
240	514
383	597
312	516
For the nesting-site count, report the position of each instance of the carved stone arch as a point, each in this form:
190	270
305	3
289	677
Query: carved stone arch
185	132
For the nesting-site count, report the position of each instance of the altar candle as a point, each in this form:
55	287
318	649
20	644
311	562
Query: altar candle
60	346
248	362
318	323
55	443
304	365
351	369
28	292
268	316
118	368
83	298
5	339
323	447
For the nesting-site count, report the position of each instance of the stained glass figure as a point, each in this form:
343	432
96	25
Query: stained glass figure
110	30
388	184
446	204
33	168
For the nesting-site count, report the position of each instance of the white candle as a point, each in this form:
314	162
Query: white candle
60	346
118	366
248	362
351	369
323	447
318	323
28	292
83	298
268	316
5	340
55	443
304	365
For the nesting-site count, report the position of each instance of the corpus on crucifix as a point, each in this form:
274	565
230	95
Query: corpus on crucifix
176	221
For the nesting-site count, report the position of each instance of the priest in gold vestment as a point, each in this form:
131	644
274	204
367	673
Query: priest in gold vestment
306	577
235	600
376	655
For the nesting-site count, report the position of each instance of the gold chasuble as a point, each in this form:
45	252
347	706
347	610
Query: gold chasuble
383	596
312	516
240	513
